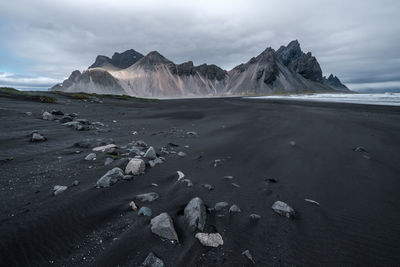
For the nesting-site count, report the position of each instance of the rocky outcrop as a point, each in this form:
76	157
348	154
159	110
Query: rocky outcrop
288	69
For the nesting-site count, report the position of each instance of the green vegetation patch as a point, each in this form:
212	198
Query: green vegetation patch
14	93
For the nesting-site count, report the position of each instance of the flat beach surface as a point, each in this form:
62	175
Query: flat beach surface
307	147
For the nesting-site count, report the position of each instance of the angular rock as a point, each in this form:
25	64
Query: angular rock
210	240
221	205
133	206
150	153
163	226
58	189
234	208
145	211
156	161
91	156
135	167
108	161
36	137
147	197
152	261
283	209
47	116
110	178
180	176
195	214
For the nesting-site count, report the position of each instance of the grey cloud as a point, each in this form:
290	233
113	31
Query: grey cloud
356	40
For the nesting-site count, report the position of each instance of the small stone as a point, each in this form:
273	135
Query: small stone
191	133
91	156
181	154
58	189
152	261
37	137
28	113
112	151
180	175
47	116
147	197
208	187
249	256
163	226
210	240
360	149
228	177
188	182
217	162
186	146
156	161
103	148
270	180
234	208
312	201
221	205
110	178
150	153
145	211
292	143
133	206
254	217
283	209
83	121
108	161
195	214
135	166
235	185
75	183
80	127
71	124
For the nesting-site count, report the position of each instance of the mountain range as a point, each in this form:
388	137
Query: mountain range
287	70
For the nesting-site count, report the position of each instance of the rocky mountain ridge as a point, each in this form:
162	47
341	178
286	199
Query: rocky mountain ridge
287	70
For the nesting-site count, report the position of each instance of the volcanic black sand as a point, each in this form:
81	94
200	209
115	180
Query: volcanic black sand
357	222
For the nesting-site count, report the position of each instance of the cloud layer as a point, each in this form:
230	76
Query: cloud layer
45	40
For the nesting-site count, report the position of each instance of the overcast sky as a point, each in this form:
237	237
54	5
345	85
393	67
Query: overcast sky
43	41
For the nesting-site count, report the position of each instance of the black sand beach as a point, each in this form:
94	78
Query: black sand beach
356	224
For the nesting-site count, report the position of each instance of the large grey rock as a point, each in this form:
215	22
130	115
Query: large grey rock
150	153
220	206
135	167
195	214
110	178
283	209
210	240
152	261
163	226
47	116
147	197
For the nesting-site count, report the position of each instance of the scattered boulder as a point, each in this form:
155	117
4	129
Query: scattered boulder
249	256
66	119
234	208
91	156
57	112
254	217
110	178
103	148
147	197
47	116
210	240
156	161
58	189
195	214
133	206
221	205
208	187
180	176
36	137
145	211
152	261
150	153
283	209
135	166
181	154
163	226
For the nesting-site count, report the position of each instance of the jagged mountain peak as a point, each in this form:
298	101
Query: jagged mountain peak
153	58
119	60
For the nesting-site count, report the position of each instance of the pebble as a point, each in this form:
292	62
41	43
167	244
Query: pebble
91	156
234	208
254	217
152	261
58	189
210	240
221	205
147	197
133	206
283	209
145	211
208	186
181	154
